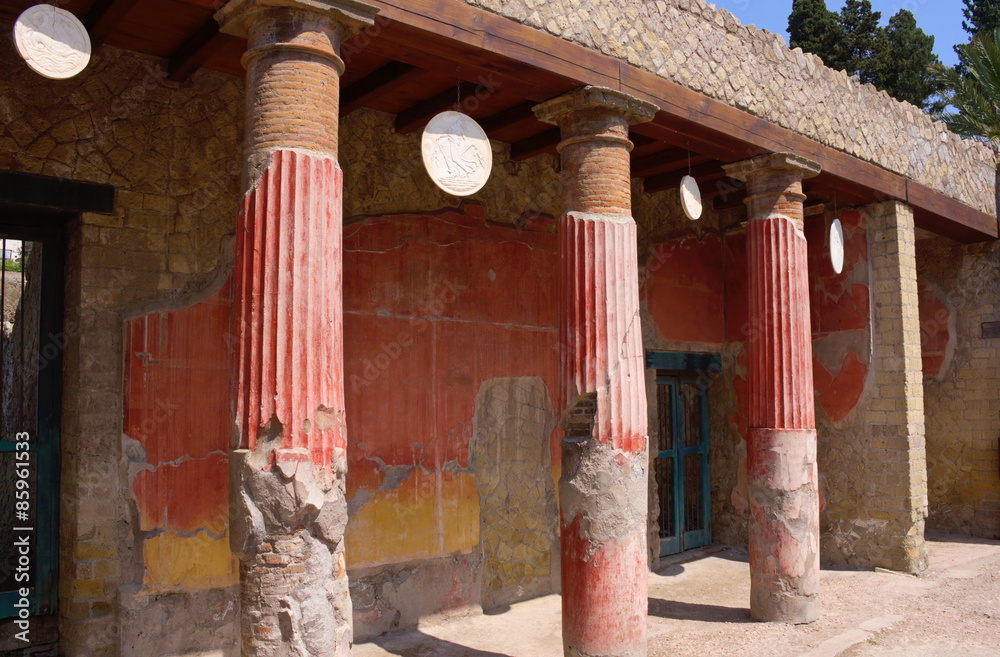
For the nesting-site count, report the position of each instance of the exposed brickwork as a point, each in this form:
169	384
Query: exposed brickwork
895	499
603	516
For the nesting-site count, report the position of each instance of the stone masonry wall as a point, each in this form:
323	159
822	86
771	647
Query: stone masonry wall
172	154
962	398
709	51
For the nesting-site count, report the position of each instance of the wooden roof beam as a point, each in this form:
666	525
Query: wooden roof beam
703	173
383	81
543	142
416	117
195	51
509	117
104	16
665	161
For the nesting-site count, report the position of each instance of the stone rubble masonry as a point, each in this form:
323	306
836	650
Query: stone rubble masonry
602	490
781	437
171	154
709	51
896	481
963	403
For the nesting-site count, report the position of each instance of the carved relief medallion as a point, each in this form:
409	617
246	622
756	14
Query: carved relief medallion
457	153
52	41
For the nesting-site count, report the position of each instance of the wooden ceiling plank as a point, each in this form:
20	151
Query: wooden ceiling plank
197	50
543	142
104	16
417	116
671	159
703	173
378	83
508	117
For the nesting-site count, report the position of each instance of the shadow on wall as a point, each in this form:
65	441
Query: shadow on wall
415	643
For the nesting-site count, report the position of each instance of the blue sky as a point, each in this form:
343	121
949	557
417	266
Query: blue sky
940	18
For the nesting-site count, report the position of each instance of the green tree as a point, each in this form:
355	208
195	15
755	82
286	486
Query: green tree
815	29
980	16
976	95
904	63
863	40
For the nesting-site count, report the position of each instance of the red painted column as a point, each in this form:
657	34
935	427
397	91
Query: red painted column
287	495
603	487
781	439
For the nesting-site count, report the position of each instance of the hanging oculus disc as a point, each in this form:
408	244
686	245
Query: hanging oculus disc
691	198
837	246
457	153
52	41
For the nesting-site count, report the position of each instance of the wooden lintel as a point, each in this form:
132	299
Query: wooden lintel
686	119
104	16
194	52
378	83
543	142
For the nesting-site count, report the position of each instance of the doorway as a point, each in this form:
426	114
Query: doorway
680	464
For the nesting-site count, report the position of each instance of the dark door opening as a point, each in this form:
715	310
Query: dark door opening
680	449
31	344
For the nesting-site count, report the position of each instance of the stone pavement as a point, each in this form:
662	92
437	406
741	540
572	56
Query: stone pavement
698	606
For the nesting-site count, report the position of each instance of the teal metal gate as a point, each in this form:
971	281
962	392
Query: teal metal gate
681	462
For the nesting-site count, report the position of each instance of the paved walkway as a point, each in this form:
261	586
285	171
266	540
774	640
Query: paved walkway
698	608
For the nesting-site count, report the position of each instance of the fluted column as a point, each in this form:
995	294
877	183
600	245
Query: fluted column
781	439
287	495
603	485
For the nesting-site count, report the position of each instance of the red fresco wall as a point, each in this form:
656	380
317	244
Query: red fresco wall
696	291
684	289
435	305
177	408
937	334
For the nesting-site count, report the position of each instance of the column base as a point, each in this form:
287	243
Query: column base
784	525
287	528
603	501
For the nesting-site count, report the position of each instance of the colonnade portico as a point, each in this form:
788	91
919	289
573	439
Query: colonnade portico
287	489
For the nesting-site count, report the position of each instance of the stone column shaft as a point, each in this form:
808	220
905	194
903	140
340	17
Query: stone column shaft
603	487
781	441
287	506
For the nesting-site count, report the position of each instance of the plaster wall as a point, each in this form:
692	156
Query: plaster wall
958	294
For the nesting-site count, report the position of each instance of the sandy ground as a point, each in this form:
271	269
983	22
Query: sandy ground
698	608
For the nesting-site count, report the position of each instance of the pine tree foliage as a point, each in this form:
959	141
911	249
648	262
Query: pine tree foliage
895	58
814	28
906	59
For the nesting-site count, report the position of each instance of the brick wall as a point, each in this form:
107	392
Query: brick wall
962	392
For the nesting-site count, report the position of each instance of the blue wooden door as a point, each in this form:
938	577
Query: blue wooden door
681	463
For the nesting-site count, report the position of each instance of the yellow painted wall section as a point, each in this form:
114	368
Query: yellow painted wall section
188	563
429	515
